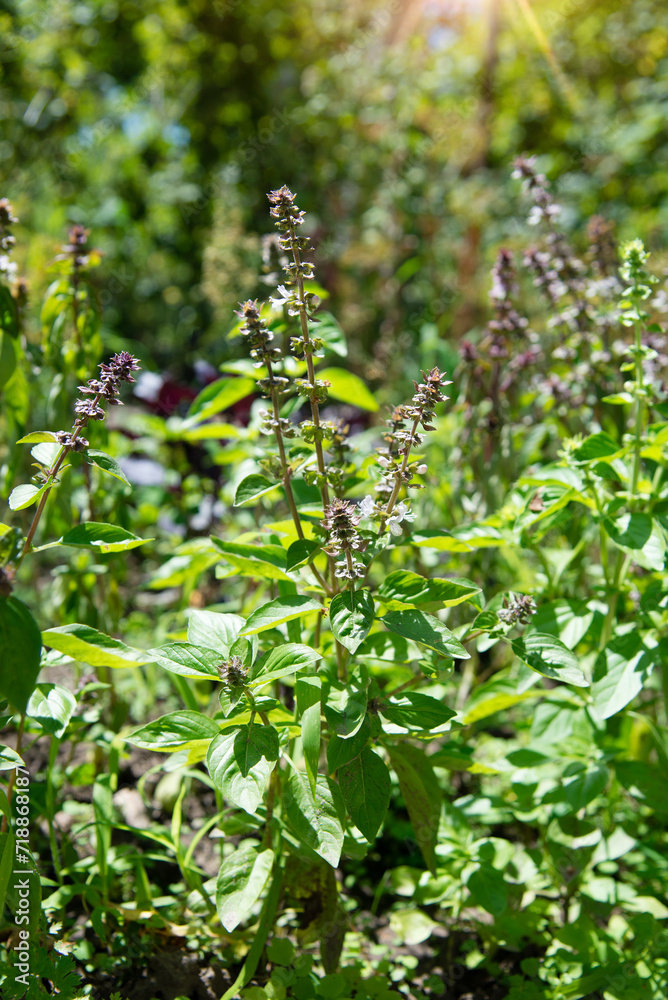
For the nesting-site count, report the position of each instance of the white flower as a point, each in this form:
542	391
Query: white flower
286	297
498	289
400	513
367	506
7	266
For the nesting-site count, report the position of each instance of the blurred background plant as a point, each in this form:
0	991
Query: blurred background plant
161	126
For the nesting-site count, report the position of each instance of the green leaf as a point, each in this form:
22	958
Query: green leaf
183	569
464	539
388	648
639	535
267	562
318	823
308	696
365	785
38	437
177	731
9	324
568	620
596	446
214	630
406	587
332	334
240	762
645	782
241	879
412	926
351	616
87	645
488	888
103	537
9	759
187	660
284	609
206	432
619	399
489	702
426	629
52	706
281	661
252	488
527	758
300	553
486	621
20	652
8	357
620	673
216	397
413	710
340	751
345	709
459	758
46	453
108	464
585	786
281	951
548	656
348	388
25	496
9	544
266	924
422	795
16	401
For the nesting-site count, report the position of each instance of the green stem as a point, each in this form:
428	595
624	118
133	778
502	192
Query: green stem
287	485
399	478
621	567
50	807
315	409
51	475
640	414
261	935
413	682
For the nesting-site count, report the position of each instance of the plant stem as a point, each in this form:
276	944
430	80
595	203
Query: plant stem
286	476
413	682
621	567
315	409
261	935
285	470
51	475
640	414
400	477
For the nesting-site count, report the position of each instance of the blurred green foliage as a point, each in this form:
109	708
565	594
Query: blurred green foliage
160	125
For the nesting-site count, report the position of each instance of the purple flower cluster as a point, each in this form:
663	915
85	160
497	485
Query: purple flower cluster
340	522
107	387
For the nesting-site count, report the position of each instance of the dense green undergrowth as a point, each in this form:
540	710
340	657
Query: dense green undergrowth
321	704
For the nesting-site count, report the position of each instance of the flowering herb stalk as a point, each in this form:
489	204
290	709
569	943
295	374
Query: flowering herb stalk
104	389
288	219
272	387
